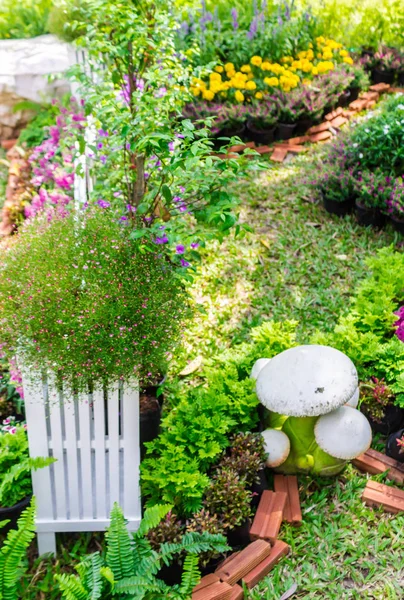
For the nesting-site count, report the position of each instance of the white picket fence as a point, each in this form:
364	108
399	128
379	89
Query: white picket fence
95	439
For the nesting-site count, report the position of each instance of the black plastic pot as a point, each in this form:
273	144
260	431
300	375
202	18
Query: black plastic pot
400	79
354	93
345	98
211	566
239	536
393	449
260	136
285	131
303	125
338	208
171	575
398	224
392	421
258	487
379	76
149	426
228	133
13	513
369	216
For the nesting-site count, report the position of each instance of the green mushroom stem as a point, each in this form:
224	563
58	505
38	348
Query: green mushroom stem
305	454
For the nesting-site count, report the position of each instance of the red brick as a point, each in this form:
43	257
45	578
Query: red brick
295	148
319	128
205	581
358	105
279	154
263	149
334	114
370	96
302	139
396	90
279	550
288	483
268	518
244	562
8	144
338	122
374	462
237	593
390	499
370	104
215	591
380	87
319	137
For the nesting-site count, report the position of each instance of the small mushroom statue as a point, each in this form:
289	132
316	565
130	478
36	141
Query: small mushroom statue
311	393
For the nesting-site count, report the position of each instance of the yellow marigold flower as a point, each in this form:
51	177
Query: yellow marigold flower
259	95
245	69
256	61
250	76
348	60
231	73
301	54
265	66
251	85
239	96
196	91
208	95
310	54
327	54
320	40
314	71
274	81
229	66
319	55
219	69
215	77
310	45
343	53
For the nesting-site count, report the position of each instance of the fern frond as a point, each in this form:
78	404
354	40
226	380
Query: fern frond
191	574
142	550
119	547
194	543
4	523
140	586
71	587
23	467
90	574
14	551
152	517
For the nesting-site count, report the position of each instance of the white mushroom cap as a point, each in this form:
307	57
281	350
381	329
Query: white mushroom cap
353	401
343	433
277	445
258	366
307	381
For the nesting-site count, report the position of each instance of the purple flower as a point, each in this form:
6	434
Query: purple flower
161	92
184	263
123	218
103	159
103	203
171	146
102	133
99	145
146	175
194	245
234	15
253	29
180	249
161	239
131	208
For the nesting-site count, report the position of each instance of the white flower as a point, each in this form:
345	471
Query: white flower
355	145
361	155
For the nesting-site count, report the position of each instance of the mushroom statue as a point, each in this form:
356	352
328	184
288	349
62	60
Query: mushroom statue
310	393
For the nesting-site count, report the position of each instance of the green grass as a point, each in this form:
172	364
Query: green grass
299	263
343	548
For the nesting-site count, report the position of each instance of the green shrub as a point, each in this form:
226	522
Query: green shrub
67	19
24	19
37	129
97	308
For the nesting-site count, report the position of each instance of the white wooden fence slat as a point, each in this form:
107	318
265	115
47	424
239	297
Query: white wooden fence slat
113	438
72	459
57	447
131	466
100	455
86	480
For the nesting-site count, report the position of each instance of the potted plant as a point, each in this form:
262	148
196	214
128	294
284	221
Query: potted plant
170	530
395	206
289	110
230	121
384	63
373	189
261	122
338	189
360	81
228	496
395	445
247	456
15	471
202	521
377	404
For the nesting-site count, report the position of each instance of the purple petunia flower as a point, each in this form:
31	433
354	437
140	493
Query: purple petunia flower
103	203
184	263
194	245
102	133
161	239
171	146
180	249
161	92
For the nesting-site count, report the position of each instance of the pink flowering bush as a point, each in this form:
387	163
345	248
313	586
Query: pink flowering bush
52	164
96	308
400	324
